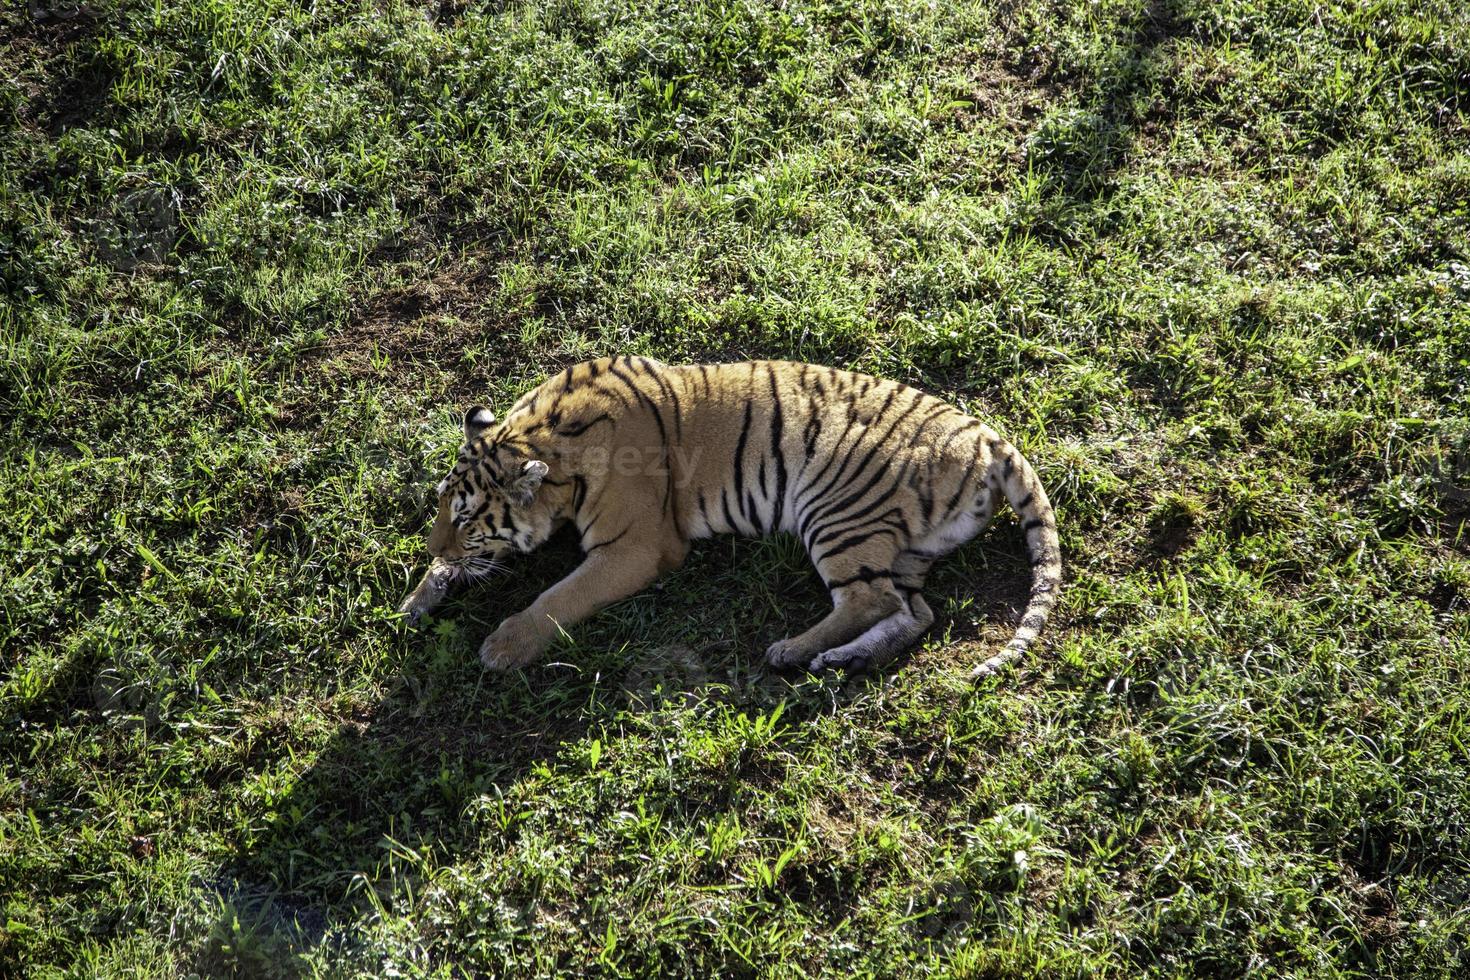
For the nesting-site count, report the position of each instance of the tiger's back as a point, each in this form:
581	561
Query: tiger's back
877	479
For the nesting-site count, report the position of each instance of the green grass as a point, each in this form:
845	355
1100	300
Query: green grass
1206	263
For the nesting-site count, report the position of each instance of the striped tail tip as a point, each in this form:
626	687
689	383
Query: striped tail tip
1009	655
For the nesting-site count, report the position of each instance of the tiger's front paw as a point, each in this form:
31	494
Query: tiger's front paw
515	643
427	595
415	608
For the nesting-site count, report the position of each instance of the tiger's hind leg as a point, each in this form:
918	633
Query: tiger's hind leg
868	588
890	636
856	607
882	641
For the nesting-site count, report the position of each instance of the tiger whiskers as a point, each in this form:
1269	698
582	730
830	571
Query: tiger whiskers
478	566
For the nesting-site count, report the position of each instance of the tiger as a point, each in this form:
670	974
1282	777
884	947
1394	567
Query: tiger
878	480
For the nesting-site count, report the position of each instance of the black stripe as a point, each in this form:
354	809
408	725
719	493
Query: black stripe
880	443
658	418
999	448
663	433
668	391
841	521
813	430
833	456
588	549
837	452
849	543
959	491
730	521
822	509
926	499
1033	524
1024	502
638	393
740	491
923	488
865	574
580	426
777	430
613	393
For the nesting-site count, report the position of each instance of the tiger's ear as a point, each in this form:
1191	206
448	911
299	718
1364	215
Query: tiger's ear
476	421
524	487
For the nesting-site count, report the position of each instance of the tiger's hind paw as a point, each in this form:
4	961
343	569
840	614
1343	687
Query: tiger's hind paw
787	653
853	663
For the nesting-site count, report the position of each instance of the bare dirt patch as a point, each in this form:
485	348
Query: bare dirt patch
424	327
440	334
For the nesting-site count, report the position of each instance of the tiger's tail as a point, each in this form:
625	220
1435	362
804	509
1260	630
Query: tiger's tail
1018	481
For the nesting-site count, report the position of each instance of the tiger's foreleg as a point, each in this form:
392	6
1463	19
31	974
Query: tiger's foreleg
430	591
608	574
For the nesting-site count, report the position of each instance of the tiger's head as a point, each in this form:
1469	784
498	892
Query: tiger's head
489	504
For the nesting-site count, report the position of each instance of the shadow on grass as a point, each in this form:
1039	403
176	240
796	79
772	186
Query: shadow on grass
1082	150
431	770
396	780
388	790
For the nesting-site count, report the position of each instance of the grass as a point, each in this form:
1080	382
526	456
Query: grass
1206	263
